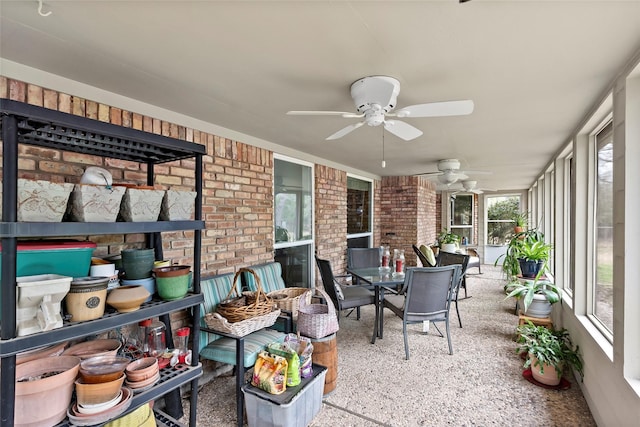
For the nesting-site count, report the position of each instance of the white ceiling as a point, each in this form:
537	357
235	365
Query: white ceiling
533	69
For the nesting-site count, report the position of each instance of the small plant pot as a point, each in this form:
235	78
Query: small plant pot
540	307
43	390
86	298
550	375
172	288
137	263
141	204
530	269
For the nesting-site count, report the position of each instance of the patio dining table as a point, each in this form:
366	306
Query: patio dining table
381	282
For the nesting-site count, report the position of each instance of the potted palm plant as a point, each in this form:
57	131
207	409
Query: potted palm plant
520	222
551	353
448	241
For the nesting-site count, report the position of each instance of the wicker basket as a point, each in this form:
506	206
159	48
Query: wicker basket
242	328
316	320
287	299
237	313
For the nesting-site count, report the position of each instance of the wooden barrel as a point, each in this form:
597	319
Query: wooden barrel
325	353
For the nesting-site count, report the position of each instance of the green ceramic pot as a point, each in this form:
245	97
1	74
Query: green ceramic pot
171	288
137	263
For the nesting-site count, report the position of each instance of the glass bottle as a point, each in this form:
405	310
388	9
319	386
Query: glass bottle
156	339
398	262
385	258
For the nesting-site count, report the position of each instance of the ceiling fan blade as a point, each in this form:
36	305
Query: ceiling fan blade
344	114
476	172
437	109
428	174
402	130
342	132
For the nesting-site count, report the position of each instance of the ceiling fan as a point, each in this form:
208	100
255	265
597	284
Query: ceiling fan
375	98
449	172
466	186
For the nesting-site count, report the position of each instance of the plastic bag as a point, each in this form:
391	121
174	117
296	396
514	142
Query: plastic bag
293	361
304	348
270	373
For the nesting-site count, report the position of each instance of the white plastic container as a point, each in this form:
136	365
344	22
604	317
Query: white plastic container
296	407
38	301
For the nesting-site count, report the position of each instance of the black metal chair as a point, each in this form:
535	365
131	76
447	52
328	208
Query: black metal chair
343	296
423	258
449	258
429	292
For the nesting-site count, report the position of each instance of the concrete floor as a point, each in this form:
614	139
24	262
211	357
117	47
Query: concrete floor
481	384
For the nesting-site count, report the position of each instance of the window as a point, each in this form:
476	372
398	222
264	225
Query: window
359	213
293	215
500	212
462	215
568	214
603	262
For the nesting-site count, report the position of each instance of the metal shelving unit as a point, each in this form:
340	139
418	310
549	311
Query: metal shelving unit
32	125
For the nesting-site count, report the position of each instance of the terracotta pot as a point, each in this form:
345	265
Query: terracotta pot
44	401
94	348
41	353
172	270
102	369
142	369
127	298
550	375
96	393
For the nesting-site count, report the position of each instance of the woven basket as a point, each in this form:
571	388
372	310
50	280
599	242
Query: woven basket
287	299
242	328
316	320
234	313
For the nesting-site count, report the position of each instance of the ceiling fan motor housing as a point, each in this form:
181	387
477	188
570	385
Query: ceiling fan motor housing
448	165
380	90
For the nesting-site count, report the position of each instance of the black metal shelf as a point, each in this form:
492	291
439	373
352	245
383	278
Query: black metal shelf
57	229
33	125
107	322
54	129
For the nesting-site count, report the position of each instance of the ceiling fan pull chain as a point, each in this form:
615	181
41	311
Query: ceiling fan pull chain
384	164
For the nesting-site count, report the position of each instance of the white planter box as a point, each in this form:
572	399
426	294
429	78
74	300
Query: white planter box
177	205
41	201
141	205
96	203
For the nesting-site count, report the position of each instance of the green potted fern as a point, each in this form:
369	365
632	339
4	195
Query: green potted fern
550	353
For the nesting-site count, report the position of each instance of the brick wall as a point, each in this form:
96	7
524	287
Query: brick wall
237	182
330	216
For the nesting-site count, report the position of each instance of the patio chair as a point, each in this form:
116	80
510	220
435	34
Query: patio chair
429	292
362	258
423	257
343	296
474	260
449	258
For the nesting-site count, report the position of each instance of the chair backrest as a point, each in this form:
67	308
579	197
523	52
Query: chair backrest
270	275
328	280
449	258
214	290
429	292
363	257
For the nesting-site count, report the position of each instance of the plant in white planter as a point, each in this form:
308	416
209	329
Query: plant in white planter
551	353
448	241
536	296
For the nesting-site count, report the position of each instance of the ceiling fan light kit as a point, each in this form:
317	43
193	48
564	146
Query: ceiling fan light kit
375	99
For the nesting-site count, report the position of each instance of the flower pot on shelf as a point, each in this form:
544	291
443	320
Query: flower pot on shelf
96	203
41	201
43	390
177	205
141	204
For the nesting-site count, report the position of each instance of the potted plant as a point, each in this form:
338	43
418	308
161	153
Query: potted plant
533	256
520	222
518	243
537	296
551	353
448	241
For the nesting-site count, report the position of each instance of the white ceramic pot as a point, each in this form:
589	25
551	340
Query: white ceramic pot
42	201
141	205
96	203
449	247
539	307
177	205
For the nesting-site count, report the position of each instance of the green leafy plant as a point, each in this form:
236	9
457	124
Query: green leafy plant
531	250
520	242
446	237
521	219
526	289
549	347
